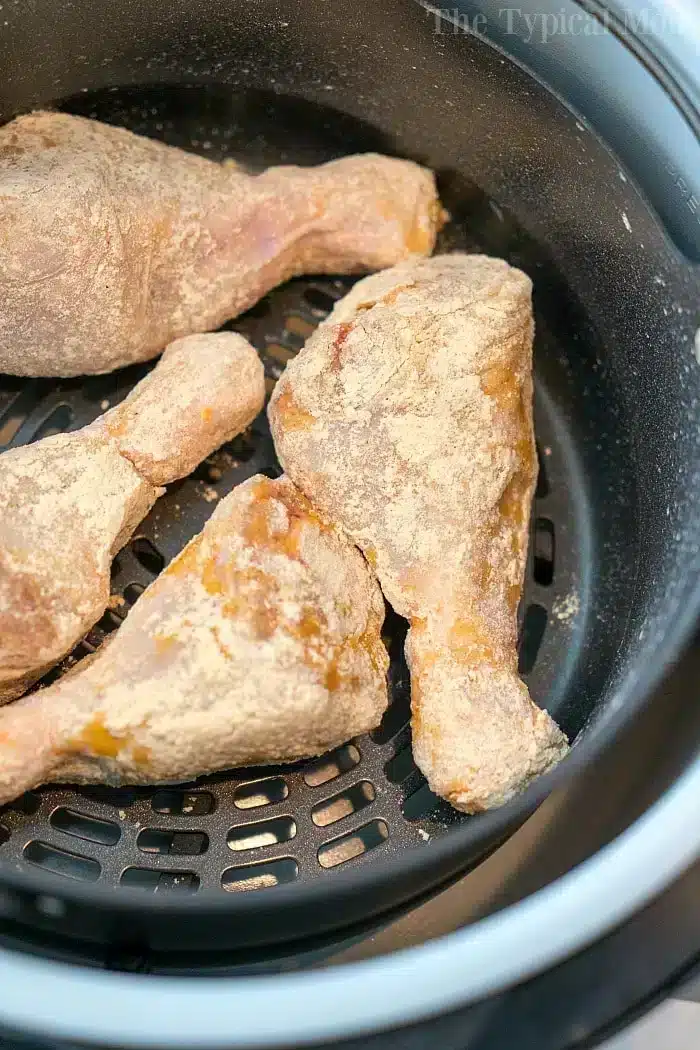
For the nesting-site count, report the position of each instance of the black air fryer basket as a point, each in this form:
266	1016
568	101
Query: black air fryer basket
572	156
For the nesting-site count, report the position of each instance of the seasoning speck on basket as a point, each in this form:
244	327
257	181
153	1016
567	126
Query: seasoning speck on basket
567	608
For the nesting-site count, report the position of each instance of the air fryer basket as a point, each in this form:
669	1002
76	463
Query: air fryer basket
282	854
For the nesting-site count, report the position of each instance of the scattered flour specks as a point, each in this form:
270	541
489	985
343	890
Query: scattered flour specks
567	608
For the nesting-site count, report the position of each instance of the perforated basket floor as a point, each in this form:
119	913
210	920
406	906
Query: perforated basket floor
254	829
258	828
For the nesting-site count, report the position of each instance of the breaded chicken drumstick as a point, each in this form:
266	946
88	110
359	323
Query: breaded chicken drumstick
113	245
407	419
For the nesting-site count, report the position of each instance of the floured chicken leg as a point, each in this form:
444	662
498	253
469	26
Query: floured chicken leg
113	245
70	502
407	418
259	643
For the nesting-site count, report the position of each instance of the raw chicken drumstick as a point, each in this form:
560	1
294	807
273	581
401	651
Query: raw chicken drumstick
113	245
407	418
259	643
70	502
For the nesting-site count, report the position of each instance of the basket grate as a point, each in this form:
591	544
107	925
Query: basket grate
250	829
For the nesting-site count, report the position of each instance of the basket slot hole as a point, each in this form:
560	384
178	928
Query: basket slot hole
17	411
110	621
11	388
396	717
320	302
84	826
348	847
132	592
260	793
299	327
147	555
534	626
261	833
28	803
260	876
174	803
420	804
57	422
544	552
61	862
160	881
400	766
117	797
4	834
95	637
241	449
542	488
280	354
343	804
172	843
340	761
81	650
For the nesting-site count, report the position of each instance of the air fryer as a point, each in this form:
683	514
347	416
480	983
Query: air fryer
260	907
